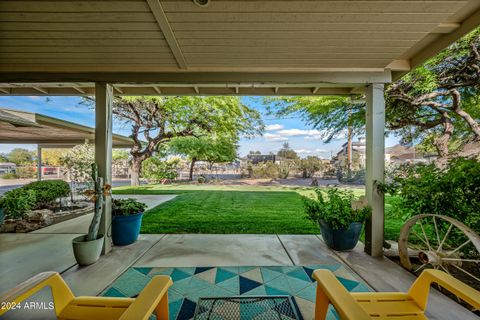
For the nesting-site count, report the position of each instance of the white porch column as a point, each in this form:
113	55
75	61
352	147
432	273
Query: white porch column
39	162
375	167
103	152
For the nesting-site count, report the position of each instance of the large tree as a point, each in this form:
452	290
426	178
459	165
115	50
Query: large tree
438	101
157	120
21	156
436	104
213	149
287	152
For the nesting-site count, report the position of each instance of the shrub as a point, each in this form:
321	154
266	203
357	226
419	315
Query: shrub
338	209
157	170
46	192
15	203
284	171
9	176
201	179
265	170
125	207
452	191
26	172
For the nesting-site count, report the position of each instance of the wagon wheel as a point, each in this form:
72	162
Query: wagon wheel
442	243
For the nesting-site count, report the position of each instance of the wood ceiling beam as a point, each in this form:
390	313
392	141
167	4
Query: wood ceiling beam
118	89
167	31
79	89
330	77
41	90
157	89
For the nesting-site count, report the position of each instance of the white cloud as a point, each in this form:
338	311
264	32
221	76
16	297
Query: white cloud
273	127
303	151
274	137
314	137
310	151
298	132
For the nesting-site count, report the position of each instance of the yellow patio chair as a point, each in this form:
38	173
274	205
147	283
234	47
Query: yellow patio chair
386	305
153	298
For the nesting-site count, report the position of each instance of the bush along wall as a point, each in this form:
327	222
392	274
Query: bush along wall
36	195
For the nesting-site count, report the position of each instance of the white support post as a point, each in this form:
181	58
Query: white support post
39	162
103	152
375	167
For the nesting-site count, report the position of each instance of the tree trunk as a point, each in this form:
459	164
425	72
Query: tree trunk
192	165
441	143
136	169
470	121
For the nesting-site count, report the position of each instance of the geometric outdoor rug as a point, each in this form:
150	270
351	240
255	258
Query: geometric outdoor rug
191	283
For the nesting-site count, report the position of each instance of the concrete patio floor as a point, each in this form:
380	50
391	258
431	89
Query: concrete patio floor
24	255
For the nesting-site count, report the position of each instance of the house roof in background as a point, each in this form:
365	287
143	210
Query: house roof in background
21	127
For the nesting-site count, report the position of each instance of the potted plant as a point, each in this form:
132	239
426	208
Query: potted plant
126	220
87	248
339	216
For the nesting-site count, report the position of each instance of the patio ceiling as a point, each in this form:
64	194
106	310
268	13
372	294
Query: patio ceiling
20	127
61	47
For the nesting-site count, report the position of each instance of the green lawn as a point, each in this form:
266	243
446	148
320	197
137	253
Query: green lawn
233	209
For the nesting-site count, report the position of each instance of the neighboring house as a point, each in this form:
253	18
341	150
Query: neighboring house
358	154
399	154
261	158
7	167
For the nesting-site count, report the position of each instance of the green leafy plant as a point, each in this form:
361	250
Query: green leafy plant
15	203
47	191
265	170
453	191
125	207
339	208
156	169
9	176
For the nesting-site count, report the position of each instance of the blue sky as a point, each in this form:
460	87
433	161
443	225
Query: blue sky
302	138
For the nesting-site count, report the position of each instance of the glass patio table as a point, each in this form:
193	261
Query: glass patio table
246	308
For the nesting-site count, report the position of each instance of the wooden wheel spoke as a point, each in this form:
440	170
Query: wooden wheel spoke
436	231
460	247
425	235
420	268
466	272
462	260
445	269
444	238
416	234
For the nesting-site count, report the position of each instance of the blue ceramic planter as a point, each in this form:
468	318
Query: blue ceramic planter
125	229
340	239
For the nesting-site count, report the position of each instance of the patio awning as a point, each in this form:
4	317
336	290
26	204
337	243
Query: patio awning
20	127
243	47
227	47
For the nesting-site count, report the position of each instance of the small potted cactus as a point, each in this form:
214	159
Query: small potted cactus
87	248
